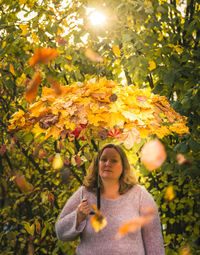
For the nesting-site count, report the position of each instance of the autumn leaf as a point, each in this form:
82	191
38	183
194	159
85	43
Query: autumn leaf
97	220
153	154
3	149
152	65
23	184
116	50
57	162
169	195
133	225
182	160
185	250
55	86
32	88
12	70
43	56
93	56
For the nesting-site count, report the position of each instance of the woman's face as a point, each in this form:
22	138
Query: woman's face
110	165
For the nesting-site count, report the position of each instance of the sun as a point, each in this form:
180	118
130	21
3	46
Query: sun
97	18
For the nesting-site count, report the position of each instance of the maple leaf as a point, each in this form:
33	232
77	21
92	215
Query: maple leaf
48	121
43	55
55	86
32	88
153	154
136	223
97	220
93	56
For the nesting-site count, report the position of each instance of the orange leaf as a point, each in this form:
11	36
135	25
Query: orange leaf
136	223
32	88
93	56
98	221
153	154
23	184
43	55
55	86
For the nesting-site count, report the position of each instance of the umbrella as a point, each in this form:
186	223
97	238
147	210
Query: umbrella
99	109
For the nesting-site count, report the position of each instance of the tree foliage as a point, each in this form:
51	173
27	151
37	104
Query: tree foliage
150	44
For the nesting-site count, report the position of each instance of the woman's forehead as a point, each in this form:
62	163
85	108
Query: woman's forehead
110	152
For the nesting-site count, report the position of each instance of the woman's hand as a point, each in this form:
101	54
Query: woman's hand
83	211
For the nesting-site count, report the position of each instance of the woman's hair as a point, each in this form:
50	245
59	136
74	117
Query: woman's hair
126	180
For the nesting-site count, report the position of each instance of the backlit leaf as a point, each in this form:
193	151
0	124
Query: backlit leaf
43	55
32	88
116	50
136	223
153	154
93	56
152	65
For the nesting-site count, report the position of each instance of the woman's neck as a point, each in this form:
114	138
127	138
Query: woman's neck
110	190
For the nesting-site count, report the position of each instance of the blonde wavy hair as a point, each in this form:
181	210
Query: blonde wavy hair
127	179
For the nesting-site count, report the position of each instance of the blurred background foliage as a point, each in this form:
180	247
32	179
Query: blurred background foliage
146	43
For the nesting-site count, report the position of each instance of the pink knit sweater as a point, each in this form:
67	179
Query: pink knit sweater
145	241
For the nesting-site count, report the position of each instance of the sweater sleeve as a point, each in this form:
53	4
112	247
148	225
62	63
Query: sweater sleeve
65	226
151	233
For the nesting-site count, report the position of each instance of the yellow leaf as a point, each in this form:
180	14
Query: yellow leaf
24	29
169	195
12	70
98	221
152	65
35	38
178	49
57	162
68	57
3	44
116	50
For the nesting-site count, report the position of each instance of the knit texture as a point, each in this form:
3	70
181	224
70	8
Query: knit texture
145	241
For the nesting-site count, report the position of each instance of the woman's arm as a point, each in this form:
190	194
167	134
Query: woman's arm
151	233
68	227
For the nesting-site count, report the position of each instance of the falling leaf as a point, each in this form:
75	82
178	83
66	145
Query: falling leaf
55	86
93	56
97	220
153	154
152	65
57	162
23	184
12	70
32	88
116	50
182	160
185	251
169	195
43	55
61	40
136	223
3	149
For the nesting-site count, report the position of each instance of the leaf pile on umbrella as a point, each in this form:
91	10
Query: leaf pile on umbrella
102	109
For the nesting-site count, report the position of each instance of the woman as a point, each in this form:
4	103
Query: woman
122	199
